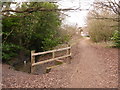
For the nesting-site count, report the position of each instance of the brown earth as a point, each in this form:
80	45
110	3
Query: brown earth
92	66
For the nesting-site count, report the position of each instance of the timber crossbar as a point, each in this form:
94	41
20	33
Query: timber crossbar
33	54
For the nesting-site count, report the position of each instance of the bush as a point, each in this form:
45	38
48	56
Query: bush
9	51
116	38
100	31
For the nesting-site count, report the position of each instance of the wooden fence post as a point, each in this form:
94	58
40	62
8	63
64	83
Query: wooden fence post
32	60
53	54
69	53
69	50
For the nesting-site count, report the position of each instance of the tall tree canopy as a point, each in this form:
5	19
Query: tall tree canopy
36	31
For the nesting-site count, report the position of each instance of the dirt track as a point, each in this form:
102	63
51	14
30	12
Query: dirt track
92	66
91	70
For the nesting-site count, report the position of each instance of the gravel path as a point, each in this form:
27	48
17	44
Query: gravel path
92	66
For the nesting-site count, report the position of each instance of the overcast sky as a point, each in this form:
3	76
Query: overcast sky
76	17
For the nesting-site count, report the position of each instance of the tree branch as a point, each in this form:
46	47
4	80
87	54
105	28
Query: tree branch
30	10
112	5
102	18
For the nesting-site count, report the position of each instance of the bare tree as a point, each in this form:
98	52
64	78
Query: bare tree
111	6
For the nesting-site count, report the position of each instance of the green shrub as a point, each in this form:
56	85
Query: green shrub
9	51
116	38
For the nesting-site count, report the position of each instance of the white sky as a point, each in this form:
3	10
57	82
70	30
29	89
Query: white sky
76	17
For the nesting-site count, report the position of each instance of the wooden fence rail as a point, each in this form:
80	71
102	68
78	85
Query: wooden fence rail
33	54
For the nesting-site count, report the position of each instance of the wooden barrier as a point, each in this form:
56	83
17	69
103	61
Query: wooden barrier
33	54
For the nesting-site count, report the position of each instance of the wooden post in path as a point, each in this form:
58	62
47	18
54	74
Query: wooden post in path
32	60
